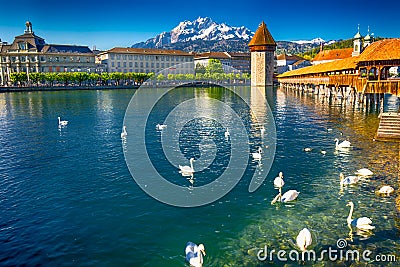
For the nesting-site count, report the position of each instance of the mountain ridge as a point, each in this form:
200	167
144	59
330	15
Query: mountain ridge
204	34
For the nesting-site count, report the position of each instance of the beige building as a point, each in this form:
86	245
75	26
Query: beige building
229	60
30	53
146	60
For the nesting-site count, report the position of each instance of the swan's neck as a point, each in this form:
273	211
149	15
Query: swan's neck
191	165
350	214
59	120
337	142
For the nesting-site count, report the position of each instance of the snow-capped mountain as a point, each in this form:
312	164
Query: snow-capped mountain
201	29
313	41
204	34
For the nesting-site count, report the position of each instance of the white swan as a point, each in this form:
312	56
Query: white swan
161	127
62	123
124	133
289	196
304	239
323	152
386	190
364	172
187	169
194	254
348	180
278	182
227	134
363	223
257	155
308	149
344	144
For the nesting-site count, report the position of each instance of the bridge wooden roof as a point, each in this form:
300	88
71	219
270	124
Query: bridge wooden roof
387	49
384	50
337	65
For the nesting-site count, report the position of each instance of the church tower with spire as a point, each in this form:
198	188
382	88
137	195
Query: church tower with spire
262	48
357	44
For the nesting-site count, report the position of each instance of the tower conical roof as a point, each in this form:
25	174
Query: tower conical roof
262	37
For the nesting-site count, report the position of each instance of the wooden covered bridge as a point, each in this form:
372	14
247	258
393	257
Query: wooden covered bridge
358	78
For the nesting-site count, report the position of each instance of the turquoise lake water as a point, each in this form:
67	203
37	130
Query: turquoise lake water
67	197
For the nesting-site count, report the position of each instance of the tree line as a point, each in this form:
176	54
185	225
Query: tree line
78	78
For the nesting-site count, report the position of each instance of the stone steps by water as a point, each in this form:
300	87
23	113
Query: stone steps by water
389	126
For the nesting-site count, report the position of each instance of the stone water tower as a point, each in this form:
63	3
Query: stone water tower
262	48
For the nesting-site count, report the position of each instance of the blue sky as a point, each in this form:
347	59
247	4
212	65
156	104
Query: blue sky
107	24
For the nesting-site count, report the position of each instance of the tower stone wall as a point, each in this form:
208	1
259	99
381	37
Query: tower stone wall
262	48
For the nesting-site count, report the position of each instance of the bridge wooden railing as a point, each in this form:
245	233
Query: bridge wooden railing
353	80
386	86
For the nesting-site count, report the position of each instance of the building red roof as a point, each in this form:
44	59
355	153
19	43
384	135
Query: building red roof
333	54
149	51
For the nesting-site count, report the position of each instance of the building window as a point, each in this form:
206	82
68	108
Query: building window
22	58
22	46
113	64
152	64
118	64
141	57
162	65
141	64
135	57
118	56
136	65
130	57
124	64
147	64
57	59
130	64
42	58
112	56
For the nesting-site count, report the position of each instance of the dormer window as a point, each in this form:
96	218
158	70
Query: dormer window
22	46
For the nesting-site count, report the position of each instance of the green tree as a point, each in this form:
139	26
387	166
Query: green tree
200	68
93	78
50	77
64	77
105	78
214	66
160	77
80	77
36	77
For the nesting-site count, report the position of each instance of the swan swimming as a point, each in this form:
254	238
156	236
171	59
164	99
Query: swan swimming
257	155
227	134
161	127
124	133
304	239
344	144
278	182
364	172
386	190
348	180
187	169
194	254
289	196
363	223
307	149
62	123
